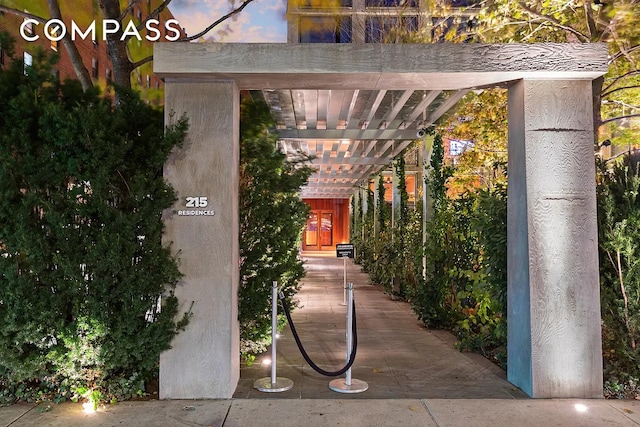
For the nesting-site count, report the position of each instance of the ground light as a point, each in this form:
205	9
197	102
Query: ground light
581	408
89	407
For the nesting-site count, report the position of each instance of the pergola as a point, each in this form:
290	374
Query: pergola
355	107
352	133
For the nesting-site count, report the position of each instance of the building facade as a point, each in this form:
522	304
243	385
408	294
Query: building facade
378	21
93	50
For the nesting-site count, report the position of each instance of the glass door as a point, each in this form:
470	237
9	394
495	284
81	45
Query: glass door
311	232
318	233
326	229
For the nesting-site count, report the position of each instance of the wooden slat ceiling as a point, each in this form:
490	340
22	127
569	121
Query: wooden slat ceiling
352	134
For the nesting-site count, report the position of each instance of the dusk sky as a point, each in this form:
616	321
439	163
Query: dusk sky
260	21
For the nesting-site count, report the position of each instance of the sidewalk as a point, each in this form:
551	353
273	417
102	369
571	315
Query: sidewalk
415	378
335	412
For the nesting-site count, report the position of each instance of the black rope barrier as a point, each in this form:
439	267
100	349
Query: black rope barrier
352	356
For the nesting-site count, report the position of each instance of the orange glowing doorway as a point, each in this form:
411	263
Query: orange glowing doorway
318	233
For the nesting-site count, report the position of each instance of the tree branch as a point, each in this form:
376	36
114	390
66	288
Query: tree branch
224	18
128	10
583	38
615	119
154	14
624	153
22	14
603	94
630	73
72	50
591	23
141	62
624	53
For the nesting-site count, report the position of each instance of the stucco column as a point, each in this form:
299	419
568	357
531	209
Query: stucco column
554	341
204	361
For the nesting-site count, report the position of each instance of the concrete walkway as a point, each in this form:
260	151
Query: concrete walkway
415	378
397	356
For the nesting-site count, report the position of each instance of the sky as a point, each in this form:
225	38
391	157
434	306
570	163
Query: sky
260	21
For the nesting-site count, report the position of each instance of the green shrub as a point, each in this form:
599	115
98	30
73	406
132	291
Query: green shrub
619	234
271	220
86	296
465	286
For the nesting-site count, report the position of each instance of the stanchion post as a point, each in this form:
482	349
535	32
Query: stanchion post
273	384
274	329
347	384
344	282
349	331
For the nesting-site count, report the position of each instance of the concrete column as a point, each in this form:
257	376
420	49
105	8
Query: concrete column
204	361
554	336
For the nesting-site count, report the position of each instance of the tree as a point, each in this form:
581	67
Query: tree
611	22
86	300
619	232
480	123
117	45
271	220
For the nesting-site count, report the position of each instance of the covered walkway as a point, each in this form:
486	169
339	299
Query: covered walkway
397	356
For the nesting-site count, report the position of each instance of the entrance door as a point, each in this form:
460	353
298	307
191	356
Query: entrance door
318	233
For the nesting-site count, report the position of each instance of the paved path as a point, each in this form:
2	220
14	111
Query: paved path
397	356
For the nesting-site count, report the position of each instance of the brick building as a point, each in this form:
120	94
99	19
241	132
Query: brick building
92	51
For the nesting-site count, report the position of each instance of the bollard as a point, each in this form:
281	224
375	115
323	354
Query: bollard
348	384
273	384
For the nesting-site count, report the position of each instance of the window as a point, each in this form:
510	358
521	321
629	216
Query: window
53	32
457	147
28	62
391	3
440	26
324	29
381	28
463	3
28	28
94	68
314	4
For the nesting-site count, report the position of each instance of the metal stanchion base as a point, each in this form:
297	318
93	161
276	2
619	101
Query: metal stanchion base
340	385
265	384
